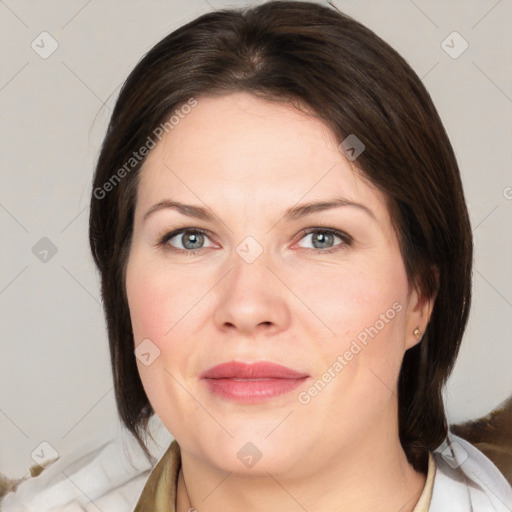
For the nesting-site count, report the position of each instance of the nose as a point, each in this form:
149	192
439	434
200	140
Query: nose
251	300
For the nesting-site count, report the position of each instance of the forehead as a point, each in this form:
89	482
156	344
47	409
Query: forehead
242	151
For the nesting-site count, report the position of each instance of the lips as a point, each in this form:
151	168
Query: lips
251	383
261	370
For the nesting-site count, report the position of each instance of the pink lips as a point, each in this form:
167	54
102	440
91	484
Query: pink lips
251	383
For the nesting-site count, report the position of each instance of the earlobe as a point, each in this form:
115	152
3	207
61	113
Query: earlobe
419	313
417	336
420	309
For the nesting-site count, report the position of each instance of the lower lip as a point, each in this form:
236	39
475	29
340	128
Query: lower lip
252	391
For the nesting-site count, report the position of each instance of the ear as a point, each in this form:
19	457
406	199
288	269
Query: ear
419	311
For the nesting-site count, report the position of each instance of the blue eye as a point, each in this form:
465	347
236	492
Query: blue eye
192	240
323	238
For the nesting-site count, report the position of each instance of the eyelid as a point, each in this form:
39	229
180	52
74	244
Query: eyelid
347	240
168	235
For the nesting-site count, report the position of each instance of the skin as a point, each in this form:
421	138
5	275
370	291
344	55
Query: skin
247	160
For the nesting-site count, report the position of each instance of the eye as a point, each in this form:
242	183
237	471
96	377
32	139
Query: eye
185	240
324	238
191	240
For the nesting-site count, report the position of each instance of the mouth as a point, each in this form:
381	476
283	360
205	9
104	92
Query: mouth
251	383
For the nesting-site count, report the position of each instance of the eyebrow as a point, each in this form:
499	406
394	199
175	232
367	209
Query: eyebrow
293	213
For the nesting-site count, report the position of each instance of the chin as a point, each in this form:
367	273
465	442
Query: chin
250	455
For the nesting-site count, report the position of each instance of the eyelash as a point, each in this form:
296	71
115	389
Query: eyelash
347	240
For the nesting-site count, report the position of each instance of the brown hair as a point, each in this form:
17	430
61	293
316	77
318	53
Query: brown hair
304	54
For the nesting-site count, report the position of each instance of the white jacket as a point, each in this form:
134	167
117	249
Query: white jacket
465	480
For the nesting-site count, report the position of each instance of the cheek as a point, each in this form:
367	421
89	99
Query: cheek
365	309
147	310
165	308
350	301
157	301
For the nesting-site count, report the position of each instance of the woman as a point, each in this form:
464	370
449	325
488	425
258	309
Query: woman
285	256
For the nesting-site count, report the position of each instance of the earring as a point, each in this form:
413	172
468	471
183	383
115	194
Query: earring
417	333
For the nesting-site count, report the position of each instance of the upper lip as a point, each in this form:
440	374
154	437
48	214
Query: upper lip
260	370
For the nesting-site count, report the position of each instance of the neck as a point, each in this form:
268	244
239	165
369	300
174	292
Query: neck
373	476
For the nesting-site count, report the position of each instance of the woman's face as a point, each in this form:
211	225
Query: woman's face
322	291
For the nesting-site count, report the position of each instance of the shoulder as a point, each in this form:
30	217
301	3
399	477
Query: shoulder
106	477
467	480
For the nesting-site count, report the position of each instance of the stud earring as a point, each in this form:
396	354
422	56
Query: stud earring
417	333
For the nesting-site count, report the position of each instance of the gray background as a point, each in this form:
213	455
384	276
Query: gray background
55	377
